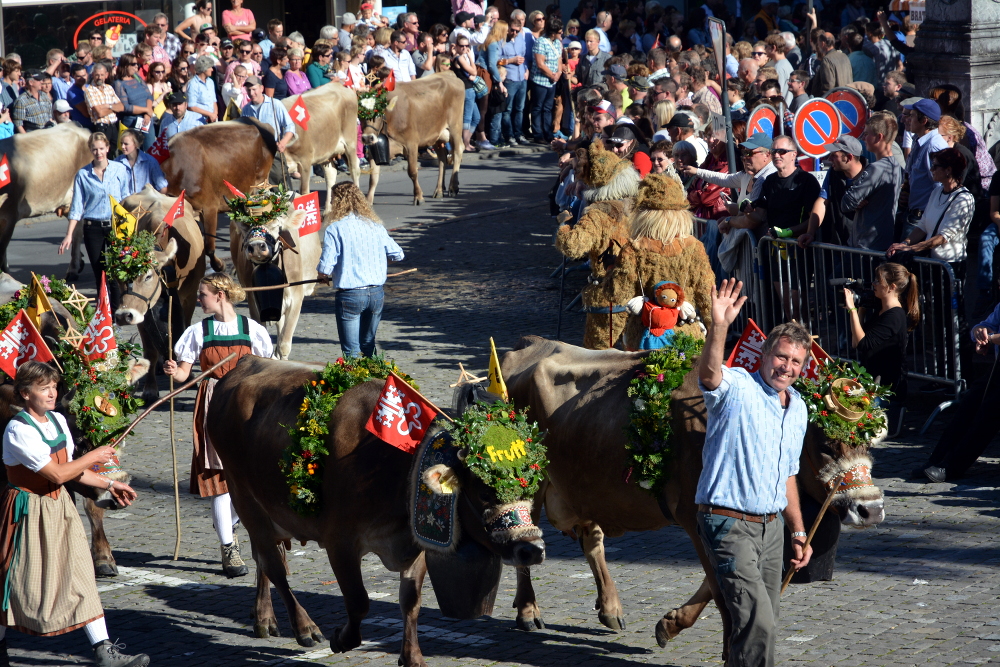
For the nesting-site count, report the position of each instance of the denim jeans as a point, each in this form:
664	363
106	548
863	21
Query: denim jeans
513	115
543	99
470	114
358	313
987	244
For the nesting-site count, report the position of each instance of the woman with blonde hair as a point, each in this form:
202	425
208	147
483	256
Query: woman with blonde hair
208	342
489	58
663	111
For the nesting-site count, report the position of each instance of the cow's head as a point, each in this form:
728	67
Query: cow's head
370	129
140	295
826	463
260	243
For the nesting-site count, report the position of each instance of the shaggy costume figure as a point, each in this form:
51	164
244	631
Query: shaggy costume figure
661	249
599	234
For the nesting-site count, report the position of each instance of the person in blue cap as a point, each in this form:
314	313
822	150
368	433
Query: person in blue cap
921	119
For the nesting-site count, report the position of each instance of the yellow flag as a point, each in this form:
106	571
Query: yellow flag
232	111
39	303
497	385
160	109
121	134
123	221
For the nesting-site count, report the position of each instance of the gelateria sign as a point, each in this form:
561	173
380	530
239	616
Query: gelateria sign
118	30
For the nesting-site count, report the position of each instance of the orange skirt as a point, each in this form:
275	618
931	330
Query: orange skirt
207	476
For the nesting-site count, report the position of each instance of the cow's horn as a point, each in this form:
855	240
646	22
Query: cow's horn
462	454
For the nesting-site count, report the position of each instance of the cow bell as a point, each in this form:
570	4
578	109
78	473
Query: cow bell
466	580
378	152
268	301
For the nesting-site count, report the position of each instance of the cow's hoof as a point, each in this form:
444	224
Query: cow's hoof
266	628
411	661
150	395
616	623
666	630
529	624
216	263
105	569
438	195
340	645
311	637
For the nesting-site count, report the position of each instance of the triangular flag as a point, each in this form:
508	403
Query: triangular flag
817	357
656	44
159	149
176	211
99	336
4	172
160	108
747	352
21	342
232	110
350	79
401	416
390	81
121	135
123	221
300	113
39	302
232	188
497	385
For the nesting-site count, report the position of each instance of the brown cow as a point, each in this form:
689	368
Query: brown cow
366	506
424	112
333	131
42	165
579	397
238	151
180	265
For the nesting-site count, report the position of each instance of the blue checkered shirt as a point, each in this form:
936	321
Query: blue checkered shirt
552	50
752	444
355	251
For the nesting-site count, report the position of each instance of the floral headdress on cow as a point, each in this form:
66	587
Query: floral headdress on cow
372	103
264	204
845	401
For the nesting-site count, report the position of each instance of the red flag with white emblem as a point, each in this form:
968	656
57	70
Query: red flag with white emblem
300	113
21	342
232	188
176	211
99	336
4	172
817	357
390	81
313	220
350	79
159	149
401	416
747	352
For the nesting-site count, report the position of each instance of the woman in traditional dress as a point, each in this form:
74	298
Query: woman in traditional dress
49	586
209	342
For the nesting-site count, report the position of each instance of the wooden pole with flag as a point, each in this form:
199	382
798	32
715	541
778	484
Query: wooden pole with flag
173	443
497	385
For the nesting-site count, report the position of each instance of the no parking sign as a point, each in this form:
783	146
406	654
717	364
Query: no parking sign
817	123
763	119
853	110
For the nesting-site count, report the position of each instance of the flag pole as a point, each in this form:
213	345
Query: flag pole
173	443
429	402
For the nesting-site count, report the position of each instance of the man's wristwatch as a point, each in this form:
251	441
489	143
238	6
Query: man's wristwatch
798	534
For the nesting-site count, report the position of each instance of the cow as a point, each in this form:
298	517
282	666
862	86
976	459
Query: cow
239	151
579	397
333	131
365	503
297	256
424	112
180	266
42	166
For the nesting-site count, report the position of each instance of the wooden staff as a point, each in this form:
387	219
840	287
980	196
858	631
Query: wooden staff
173	444
812	531
264	288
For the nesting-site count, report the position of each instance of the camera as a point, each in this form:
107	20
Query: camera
864	297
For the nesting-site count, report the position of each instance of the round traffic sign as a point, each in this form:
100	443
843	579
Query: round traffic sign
763	119
816	123
853	109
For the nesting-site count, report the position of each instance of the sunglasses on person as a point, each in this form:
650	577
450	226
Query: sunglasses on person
246	52
750	152
782	151
758	53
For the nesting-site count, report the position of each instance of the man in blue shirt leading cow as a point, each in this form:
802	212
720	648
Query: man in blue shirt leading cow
756	423
271	112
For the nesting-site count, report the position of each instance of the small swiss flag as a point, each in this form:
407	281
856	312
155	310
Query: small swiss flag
176	211
350	79
401	416
4	172
300	113
159	149
99	336
390	81
21	342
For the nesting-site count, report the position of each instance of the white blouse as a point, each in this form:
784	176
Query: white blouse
188	346
23	446
954	212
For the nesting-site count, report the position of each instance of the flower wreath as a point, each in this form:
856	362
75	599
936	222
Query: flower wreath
648	436
302	460
126	259
819	393
372	103
503	449
261	206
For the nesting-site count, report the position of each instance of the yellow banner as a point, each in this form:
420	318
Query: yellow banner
123	221
160	108
232	111
497	385
39	303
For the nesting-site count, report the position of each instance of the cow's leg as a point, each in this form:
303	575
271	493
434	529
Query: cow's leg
265	624
271	559
683	617
75	267
457	149
100	550
291	308
373	180
411	580
150	390
442	155
412	168
529	615
330	174
346	566
210	223
608	605
353	165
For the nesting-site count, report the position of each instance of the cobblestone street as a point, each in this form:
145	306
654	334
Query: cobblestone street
920	589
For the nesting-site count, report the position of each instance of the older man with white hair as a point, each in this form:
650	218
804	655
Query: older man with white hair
268	110
604	20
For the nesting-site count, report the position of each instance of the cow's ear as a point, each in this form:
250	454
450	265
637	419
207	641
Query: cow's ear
3	198
293	221
137	369
392	104
164	256
441	479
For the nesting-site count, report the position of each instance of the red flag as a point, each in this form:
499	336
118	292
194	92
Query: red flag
401	416
176	211
313	220
4	172
818	355
233	189
656	44
99	336
300	114
390	81
350	79
159	149
21	342
747	352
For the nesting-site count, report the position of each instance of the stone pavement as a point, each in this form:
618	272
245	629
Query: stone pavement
919	589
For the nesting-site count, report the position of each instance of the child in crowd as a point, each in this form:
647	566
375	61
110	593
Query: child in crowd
737	90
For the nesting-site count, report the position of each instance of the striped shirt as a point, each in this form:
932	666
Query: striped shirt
35	112
355	251
752	444
552	50
103	94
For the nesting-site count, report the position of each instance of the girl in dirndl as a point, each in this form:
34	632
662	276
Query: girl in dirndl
48	575
209	342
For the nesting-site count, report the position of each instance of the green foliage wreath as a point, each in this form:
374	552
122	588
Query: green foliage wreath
260	208
372	103
126	259
834	426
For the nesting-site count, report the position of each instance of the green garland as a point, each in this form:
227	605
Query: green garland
503	449
240	207
126	259
372	103
54	288
648	436
302	460
834	426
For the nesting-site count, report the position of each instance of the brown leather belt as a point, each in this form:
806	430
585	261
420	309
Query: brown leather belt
752	518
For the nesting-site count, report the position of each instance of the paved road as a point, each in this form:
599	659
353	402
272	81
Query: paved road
920	589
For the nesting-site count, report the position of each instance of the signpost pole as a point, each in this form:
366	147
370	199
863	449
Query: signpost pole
717	28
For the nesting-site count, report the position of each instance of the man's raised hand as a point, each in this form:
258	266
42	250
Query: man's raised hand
727	302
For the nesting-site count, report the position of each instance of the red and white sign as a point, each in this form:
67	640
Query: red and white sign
176	211
811	370
763	119
747	353
99	336
4	172
817	123
300	113
159	149
853	110
401	416
21	342
313	220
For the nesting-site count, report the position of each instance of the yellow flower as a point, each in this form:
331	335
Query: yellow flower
294	489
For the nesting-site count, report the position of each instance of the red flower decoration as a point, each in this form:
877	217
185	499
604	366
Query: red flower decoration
523	481
535	466
825	413
306	454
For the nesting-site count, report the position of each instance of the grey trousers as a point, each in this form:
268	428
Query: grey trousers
746	558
